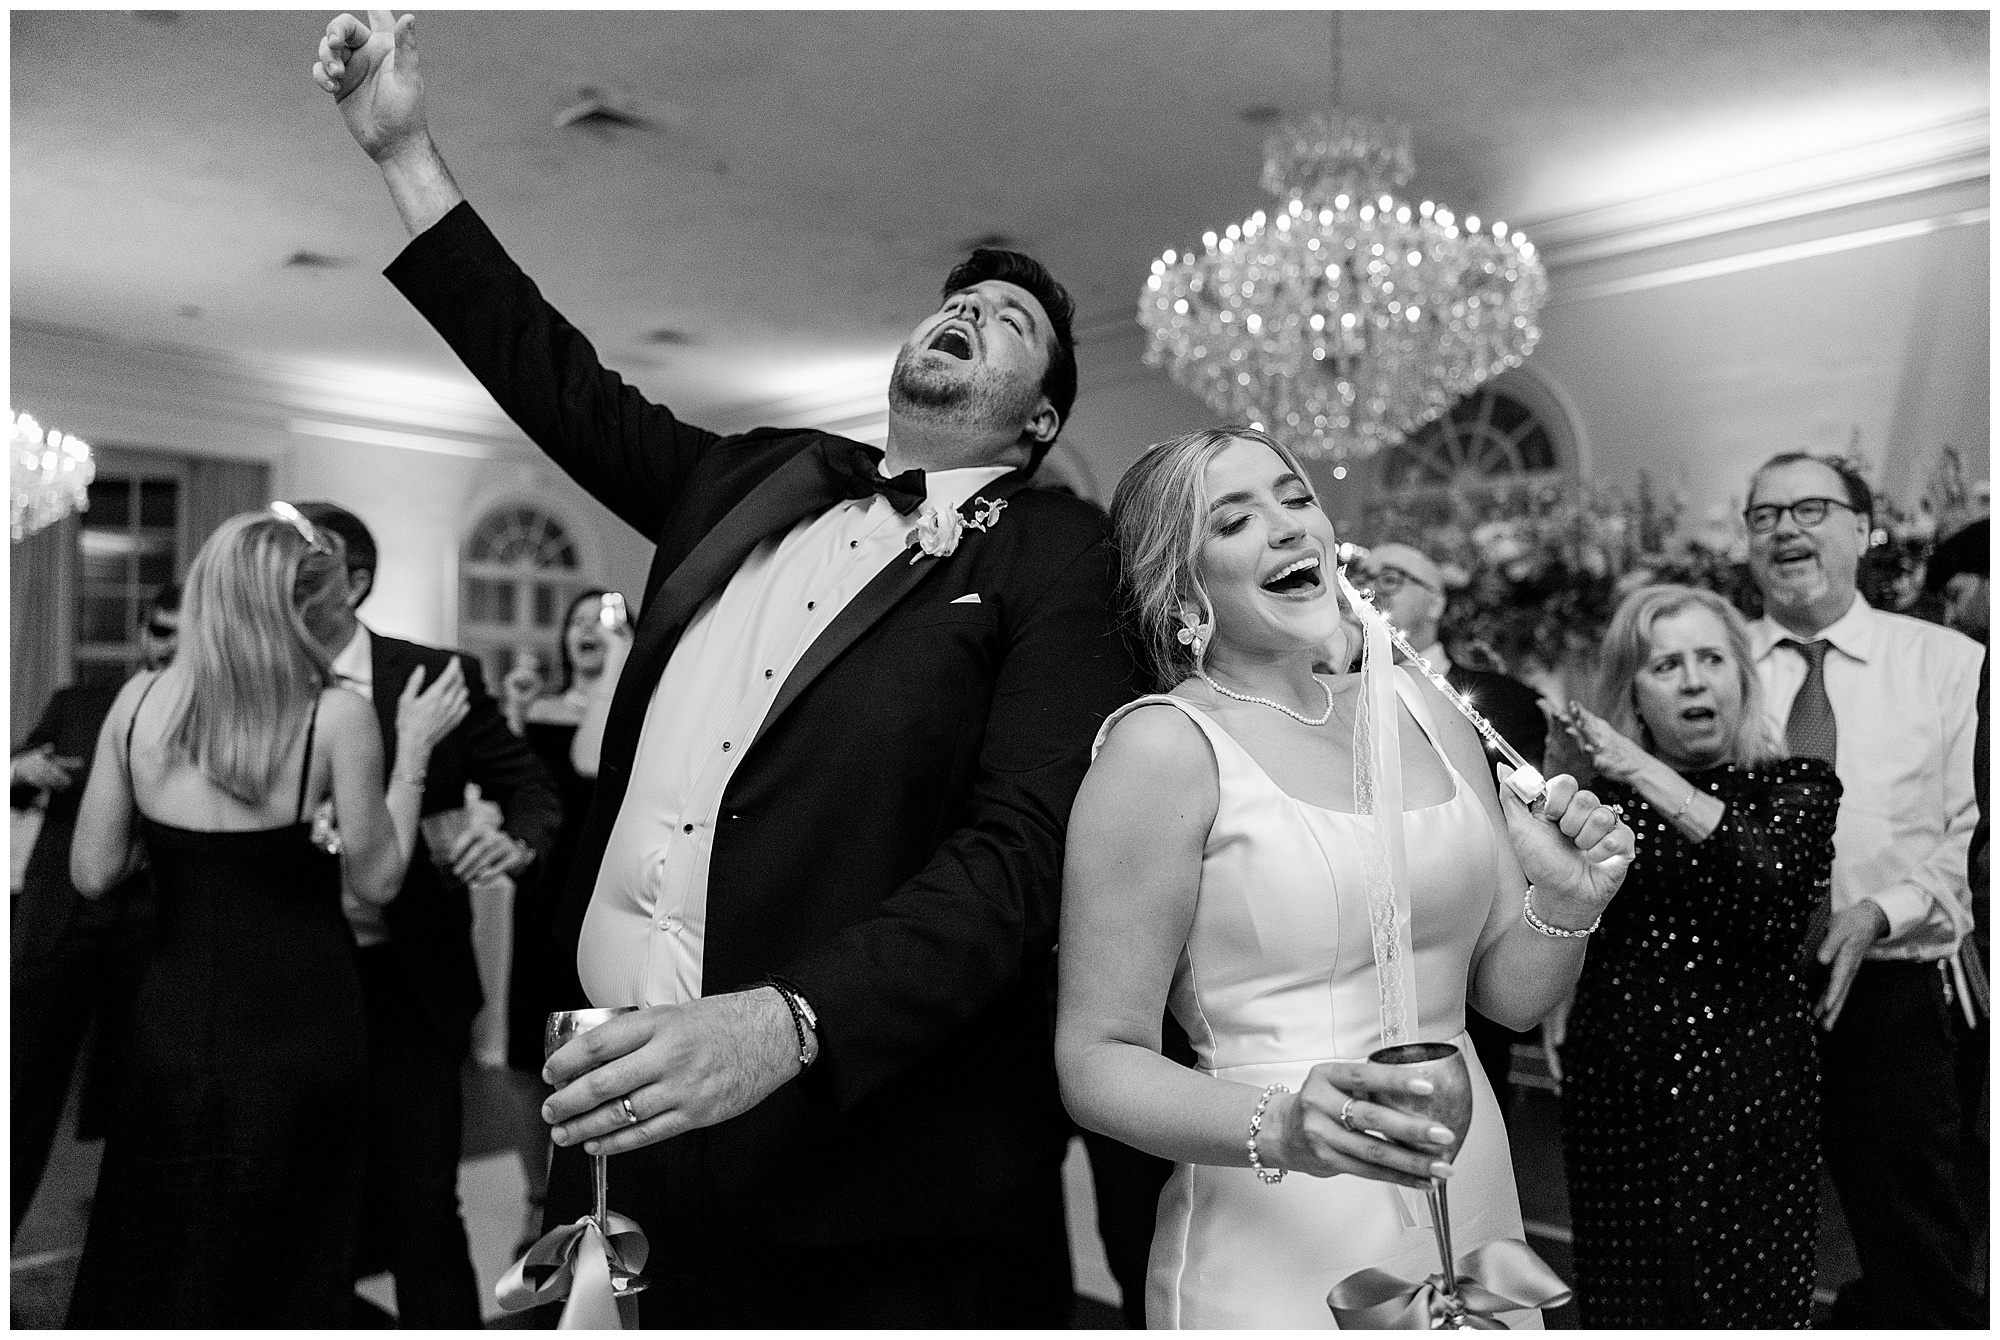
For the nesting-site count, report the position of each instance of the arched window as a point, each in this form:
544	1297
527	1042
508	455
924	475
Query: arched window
1510	431
518	572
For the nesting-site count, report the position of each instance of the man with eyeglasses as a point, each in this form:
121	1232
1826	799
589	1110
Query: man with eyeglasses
66	949
1409	590
1892	703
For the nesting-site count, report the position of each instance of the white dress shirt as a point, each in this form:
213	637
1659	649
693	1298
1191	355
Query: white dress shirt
642	935
354	670
1905	703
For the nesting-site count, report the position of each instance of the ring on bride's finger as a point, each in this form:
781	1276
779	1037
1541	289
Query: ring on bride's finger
631	1117
1343	1116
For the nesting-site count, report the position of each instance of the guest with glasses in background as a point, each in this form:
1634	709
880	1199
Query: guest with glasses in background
231	1178
1891	703
70	955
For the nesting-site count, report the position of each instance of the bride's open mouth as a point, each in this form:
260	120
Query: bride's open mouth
1296	579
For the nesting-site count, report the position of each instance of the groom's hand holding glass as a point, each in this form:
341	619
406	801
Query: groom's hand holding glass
677	1068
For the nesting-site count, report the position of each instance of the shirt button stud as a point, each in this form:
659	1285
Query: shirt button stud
725	746
687	828
767	674
812	604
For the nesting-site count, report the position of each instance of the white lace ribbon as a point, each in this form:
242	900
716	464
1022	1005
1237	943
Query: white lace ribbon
1378	796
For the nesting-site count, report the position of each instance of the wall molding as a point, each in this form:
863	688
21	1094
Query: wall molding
1910	164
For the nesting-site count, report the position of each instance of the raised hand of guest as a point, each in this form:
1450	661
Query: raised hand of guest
43	769
1849	934
426	715
682	1067
1575	854
1611	753
519	688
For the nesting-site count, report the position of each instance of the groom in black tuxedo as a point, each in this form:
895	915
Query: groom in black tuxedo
418	977
825	850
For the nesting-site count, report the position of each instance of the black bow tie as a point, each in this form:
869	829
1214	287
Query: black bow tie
858	474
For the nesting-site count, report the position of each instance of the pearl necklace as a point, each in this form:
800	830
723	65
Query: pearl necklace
1321	720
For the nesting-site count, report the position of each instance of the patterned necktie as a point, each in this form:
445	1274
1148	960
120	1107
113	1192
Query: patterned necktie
1810	731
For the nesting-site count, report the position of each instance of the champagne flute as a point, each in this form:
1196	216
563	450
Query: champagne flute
1449	1104
563	1025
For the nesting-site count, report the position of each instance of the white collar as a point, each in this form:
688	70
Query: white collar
356	662
1852	634
947	490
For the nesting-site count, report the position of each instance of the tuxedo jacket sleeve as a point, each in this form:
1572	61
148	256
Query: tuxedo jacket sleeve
50	908
430	919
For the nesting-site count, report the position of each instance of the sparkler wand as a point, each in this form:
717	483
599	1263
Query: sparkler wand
1526	780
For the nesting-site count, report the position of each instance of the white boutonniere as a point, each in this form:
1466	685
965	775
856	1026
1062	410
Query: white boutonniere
937	532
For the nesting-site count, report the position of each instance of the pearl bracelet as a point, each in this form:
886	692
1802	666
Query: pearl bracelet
1528	910
1675	816
1266	1175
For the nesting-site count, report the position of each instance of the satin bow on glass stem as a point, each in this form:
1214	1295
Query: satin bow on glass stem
1502	1276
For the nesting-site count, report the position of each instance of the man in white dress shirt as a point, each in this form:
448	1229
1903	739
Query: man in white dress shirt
1892	702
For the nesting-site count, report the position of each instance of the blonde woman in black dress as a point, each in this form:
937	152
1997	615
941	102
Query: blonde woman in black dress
230	1182
1690	1094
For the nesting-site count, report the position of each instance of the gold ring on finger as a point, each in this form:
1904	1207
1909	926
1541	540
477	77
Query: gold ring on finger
1343	1116
625	1105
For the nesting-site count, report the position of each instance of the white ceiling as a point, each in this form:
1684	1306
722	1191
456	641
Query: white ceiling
808	177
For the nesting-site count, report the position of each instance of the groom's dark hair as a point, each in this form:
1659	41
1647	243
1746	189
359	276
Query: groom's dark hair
353	532
1012	267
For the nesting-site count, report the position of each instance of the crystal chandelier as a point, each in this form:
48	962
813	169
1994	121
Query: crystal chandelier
49	478
1348	318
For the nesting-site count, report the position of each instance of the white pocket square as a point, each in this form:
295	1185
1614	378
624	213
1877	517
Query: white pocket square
972	599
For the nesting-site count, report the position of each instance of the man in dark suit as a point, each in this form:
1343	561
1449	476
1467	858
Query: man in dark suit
69	952
418	976
824	853
1409	589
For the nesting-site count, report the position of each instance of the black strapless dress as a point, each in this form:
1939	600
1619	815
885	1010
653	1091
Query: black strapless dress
230	1187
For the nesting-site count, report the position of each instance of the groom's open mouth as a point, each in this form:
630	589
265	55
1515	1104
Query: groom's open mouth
954	341
1294	579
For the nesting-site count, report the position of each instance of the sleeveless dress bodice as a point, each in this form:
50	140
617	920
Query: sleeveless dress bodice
229	1190
1278	975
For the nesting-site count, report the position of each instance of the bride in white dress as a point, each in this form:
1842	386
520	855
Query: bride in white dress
1225	854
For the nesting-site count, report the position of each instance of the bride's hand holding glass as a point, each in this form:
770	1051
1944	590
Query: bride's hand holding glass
1340	1122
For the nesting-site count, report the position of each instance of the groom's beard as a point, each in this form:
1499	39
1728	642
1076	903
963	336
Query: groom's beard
983	401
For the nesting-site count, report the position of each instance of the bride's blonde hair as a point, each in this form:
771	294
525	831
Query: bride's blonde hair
1159	513
249	670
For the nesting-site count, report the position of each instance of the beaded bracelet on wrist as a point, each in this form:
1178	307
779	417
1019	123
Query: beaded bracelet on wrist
804	1022
1528	911
1266	1175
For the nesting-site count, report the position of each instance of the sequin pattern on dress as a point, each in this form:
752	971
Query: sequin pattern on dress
1691	1094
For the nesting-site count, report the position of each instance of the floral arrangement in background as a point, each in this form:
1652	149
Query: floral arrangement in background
1534	573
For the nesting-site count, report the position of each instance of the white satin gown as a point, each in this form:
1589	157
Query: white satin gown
1279	975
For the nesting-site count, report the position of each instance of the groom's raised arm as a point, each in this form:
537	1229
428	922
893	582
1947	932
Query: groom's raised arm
629	453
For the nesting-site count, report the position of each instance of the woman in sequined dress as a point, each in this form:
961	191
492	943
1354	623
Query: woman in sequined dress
1690	1094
